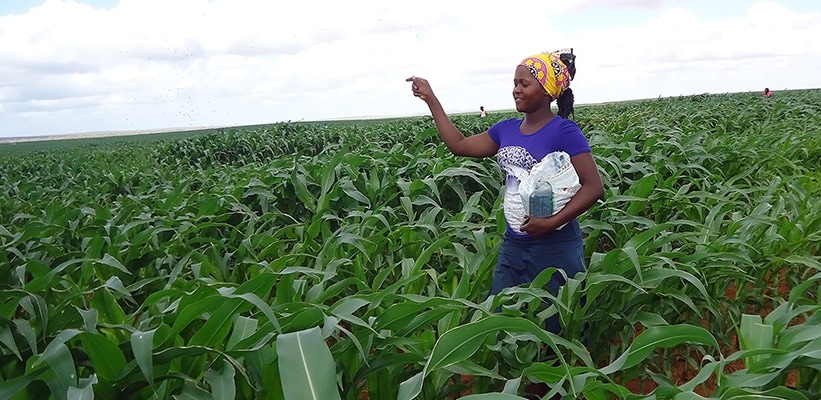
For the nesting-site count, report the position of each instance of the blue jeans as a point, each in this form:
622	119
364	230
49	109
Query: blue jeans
521	260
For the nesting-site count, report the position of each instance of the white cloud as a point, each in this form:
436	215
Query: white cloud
154	64
678	53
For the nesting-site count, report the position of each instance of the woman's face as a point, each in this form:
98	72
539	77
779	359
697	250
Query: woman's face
528	94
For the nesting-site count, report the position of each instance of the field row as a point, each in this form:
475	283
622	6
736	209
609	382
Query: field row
354	260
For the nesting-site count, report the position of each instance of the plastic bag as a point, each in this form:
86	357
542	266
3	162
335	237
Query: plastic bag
549	186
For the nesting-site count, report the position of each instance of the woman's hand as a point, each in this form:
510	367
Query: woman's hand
420	87
538	227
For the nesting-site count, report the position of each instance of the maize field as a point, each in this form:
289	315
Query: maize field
353	260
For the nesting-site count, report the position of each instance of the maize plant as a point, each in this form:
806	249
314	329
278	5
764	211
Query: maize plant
352	260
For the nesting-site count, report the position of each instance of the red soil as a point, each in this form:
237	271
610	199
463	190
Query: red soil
681	371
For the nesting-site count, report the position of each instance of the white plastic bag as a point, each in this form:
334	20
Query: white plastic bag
549	186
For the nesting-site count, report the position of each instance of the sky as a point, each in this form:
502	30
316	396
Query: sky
79	66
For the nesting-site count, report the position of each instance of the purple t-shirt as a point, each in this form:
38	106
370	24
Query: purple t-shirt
520	151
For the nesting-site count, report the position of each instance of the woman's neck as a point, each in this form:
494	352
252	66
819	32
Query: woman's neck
533	121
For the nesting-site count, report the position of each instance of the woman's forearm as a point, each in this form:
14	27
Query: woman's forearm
480	145
447	131
585	198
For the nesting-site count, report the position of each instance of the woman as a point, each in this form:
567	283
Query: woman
531	244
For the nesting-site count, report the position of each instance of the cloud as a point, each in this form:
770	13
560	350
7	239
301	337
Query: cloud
582	4
678	52
154	63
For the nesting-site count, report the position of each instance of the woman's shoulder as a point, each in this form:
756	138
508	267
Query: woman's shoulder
567	122
568	126
504	128
572	138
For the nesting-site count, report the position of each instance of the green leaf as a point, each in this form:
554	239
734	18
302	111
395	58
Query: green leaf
89	319
190	391
261	305
398	315
703	375
55	348
109	311
596	390
218	324
348	305
648	319
306	366
244	327
779	393
106	260
36	305
106	357
86	392
641	189
191	311
653	278
142	344
7	339
426	254
688	396
458	344
754	335
305	318
10	388
551	374
351	190
114	283
462	341
798	335
387	360
61	362
411	387
300	185
745	379
659	336
470	368
24	328
797	293
113	262
222	382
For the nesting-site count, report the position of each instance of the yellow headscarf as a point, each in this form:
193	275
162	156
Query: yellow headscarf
550	71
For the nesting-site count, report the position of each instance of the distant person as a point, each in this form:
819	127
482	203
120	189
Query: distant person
531	244
482	112
767	92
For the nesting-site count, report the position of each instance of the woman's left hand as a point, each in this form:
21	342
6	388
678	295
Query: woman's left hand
538	227
590	192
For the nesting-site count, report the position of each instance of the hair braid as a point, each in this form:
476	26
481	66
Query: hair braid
565	103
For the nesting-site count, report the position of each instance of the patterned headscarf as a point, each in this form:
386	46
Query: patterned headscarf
550	71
